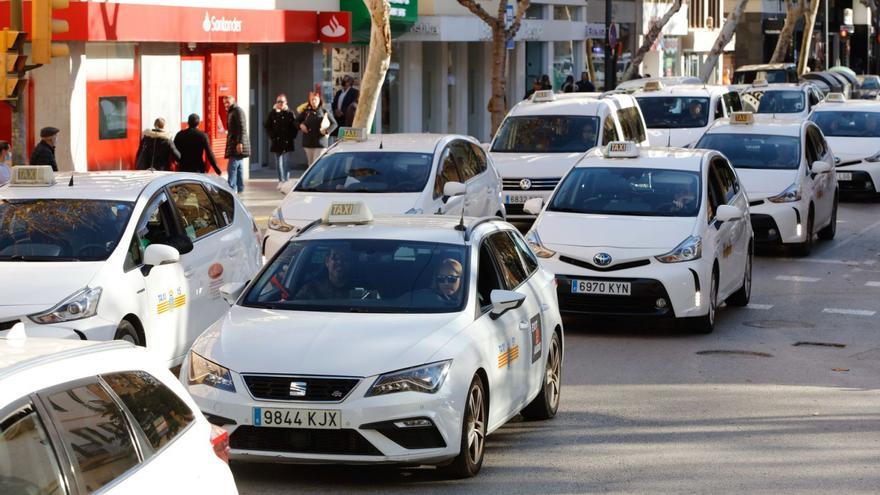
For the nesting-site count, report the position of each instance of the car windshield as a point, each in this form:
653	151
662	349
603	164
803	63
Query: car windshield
61	229
674	112
848	124
547	134
368	172
629	191
756	151
364	275
748	77
780	101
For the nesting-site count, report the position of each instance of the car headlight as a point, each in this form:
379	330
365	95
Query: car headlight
204	372
534	242
791	194
83	304
689	250
427	379
873	158
277	223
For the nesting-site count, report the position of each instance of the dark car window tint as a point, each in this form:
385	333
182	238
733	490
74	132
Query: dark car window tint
546	134
726	180
674	112
466	159
161	414
528	257
633	130
609	131
196	210
512	271
96	433
28	464
225	204
487	277
481	158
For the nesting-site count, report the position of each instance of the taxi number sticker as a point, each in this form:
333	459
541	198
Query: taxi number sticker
316	419
537	338
342	209
844	176
601	287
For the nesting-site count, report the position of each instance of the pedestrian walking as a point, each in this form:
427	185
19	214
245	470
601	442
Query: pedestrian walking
343	99
237	143
316	123
157	150
194	146
44	151
536	86
585	85
545	82
5	162
568	86
282	129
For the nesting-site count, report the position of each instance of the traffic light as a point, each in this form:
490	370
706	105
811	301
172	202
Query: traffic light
43	26
13	60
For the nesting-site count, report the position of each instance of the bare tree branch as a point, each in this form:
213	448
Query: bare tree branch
521	8
723	39
651	38
479	11
794	10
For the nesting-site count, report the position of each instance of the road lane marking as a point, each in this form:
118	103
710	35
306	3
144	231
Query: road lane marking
828	262
873	284
850	312
855	236
796	278
759	306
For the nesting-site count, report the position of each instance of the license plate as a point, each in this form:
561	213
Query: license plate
844	175
516	199
602	287
317	419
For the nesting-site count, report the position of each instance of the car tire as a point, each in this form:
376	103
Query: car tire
803	249
545	405
127	332
828	233
742	296
706	324
473	433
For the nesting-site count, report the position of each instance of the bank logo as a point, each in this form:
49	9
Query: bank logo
214	24
333	29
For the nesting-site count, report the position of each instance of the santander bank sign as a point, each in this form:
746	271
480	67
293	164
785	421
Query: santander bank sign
214	24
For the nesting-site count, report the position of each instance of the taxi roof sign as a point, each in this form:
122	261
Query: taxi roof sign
352	134
353	212
742	118
835	98
32	175
543	96
621	149
653	85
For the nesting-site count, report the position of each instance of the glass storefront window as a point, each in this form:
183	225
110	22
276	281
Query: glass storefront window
563	62
112	117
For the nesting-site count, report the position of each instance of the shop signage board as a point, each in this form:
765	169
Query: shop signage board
404	14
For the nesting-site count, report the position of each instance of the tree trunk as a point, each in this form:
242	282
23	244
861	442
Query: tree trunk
497	103
378	61
793	13
651	38
724	38
809	23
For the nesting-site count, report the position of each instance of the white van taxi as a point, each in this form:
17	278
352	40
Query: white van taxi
394	174
788	172
101	417
852	129
399	339
783	101
543	137
138	256
677	116
653	232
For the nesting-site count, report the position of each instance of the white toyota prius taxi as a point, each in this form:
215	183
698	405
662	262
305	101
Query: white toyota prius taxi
788	171
394	174
137	256
654	232
391	340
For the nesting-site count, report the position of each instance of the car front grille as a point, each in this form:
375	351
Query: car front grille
514	184
317	389
860	183
641	302
612	268
301	441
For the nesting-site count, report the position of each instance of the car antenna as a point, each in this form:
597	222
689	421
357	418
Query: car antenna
460	227
380	144
70	184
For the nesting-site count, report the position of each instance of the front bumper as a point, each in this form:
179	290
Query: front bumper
863	180
775	223
92	328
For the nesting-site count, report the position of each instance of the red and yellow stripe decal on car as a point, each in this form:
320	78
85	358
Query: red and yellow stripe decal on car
507	357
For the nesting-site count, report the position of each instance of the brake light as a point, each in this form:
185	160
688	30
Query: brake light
220	443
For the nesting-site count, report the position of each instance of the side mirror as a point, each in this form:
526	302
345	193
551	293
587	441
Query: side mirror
287	186
505	300
452	189
726	213
534	206
160	254
820	167
232	291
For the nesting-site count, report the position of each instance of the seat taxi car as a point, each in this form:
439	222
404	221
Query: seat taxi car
138	256
393	174
400	339
83	417
541	138
852	129
788	172
782	101
652	232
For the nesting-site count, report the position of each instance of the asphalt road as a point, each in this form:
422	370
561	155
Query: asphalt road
647	409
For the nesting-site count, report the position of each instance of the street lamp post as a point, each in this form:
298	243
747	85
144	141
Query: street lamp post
610	71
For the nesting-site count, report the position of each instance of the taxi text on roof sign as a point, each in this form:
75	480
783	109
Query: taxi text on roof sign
835	98
742	118
355	212
653	86
621	149
543	95
32	175
353	134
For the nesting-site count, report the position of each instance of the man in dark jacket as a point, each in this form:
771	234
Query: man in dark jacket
238	145
282	129
344	98
194	146
44	151
156	150
585	85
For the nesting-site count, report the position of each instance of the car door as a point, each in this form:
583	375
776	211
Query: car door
447	171
492	180
824	183
28	462
728	274
740	234
537	332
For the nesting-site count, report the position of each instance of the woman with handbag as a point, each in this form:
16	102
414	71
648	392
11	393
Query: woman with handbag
316	123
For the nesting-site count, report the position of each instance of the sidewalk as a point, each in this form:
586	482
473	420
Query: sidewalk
261	195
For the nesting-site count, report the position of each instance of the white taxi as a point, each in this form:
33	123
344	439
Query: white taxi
398	339
394	174
651	232
788	172
84	417
138	256
852	129
782	101
677	116
543	137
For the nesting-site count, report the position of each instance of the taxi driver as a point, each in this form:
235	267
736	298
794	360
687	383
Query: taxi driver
336	284
445	285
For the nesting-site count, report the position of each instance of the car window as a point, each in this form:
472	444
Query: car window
758	151
466	160
848	124
733	102
674	112
719	109
161	414
547	134
488	278
782	102
156	226
481	158
528	257
95	433
811	149
195	208
447	171
609	130
631	124
726	180
28	464
713	190
368	172
225	204
513	272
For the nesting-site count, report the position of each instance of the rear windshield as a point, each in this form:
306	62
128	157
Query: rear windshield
369	172
748	77
756	151
780	101
547	134
61	229
674	112
629	191
848	124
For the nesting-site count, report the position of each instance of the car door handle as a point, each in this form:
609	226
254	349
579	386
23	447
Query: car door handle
545	307
524	325
188	272
235	253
